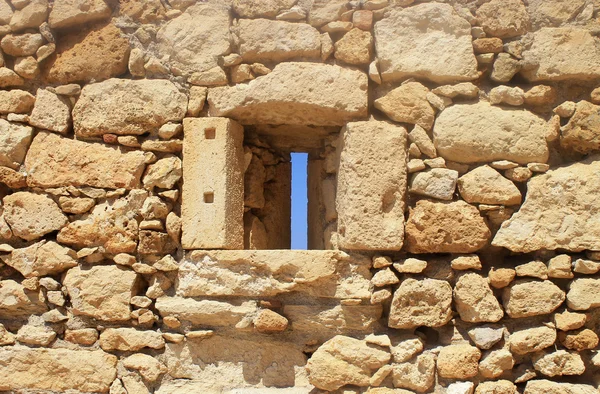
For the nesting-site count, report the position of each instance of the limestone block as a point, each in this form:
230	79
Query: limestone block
17	301
31	215
324	320
547	386
122	106
57	370
371	186
472	133
102	292
564	219
445	227
148	366
192	46
584	293
30	15
582	133
437	183
558	363
475	301
559	54
305	94
54	161
343	360
21	44
261	9
408	104
417	374
41	259
97	52
402	37
265	273
205	313
495	363
496	387
485	185
531	340
111	225
355	47
16	101
69	13
458	361
50	112
14	141
417	303
524	298
264	40
213	191
503	18
130	339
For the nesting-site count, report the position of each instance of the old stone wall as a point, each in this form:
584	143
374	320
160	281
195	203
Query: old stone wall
453	184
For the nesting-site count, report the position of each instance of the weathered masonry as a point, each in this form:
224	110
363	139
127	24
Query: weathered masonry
453	168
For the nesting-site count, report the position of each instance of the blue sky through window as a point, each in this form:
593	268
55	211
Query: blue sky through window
299	200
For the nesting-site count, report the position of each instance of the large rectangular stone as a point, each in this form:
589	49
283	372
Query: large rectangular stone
333	319
56	370
371	186
266	273
213	184
206	313
54	161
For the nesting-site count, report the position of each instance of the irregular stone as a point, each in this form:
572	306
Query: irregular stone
122	107
467	262
263	40
582	133
493	134
475	301
445	227
18	45
192	46
16	101
9	78
461	388
544	221
371	186
495	363
418	375
525	298
532	339
205	313
58	370
343	360
580	340
505	68
70	13
269	321
486	336
567	321
307	94
558	363
584	293
534	269
328	320
558	54
384	277
41	259
408	104
6	12
463	89
54	161
14	141
35	335
96	53
410	266
560	267
404	35
419	136
588	267
17	301
50	112
547	387
27	67
496	387
130	339
263	9
503	18
102	292
507	95
540	95
437	183
488	46
6	337
458	361
417	303
266	273
355	47
147	366
33	14
31	215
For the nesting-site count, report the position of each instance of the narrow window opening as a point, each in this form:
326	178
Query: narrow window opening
210	133
299	222
209	197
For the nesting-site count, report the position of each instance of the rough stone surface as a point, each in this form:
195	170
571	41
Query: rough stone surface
69	13
503	19
559	363
50	112
445	227
307	93
531	340
267	8
41	259
485	185
458	361
54	161
421	303
408	104
371	186
101	292
17	301
472	133
205	313
355	47
263	40
438	183
31	215
96	53
544	221
525	298
130	339
475	300
547	386
16	101
558	54
582	133
124	107
436	29
417	375
584	294
14	141
58	370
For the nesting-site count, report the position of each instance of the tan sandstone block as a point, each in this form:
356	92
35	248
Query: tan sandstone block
213	191
56	370
297	94
433	308
458	361
130	339
547	387
54	161
525	298
69	13
371	186
17	301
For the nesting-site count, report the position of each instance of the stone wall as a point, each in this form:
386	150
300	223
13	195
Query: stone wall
454	218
